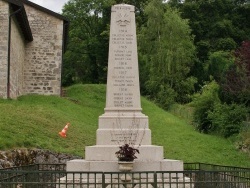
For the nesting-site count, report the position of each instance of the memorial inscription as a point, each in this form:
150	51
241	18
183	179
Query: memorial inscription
122	80
123	63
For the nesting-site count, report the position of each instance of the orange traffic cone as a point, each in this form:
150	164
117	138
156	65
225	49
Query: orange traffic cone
64	131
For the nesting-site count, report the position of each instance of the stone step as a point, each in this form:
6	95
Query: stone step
80	165
121	136
107	153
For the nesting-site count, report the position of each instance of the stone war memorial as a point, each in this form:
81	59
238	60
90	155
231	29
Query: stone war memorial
123	121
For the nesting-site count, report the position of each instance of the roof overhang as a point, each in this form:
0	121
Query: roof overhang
57	15
21	18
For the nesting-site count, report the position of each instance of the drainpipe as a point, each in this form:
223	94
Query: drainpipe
9	41
63	51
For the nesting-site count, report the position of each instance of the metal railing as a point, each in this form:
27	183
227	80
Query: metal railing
55	176
242	173
206	166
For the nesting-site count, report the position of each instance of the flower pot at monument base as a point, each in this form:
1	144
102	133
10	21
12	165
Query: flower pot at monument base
126	166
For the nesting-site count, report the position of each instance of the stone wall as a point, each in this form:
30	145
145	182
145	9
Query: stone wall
42	68
35	66
4	12
17	51
22	157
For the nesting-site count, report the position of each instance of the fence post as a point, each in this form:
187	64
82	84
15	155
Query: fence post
155	179
103	180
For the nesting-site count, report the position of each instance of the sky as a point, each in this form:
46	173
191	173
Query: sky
54	5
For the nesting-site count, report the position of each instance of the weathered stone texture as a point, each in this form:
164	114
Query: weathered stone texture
35	67
17	50
21	157
4	12
42	68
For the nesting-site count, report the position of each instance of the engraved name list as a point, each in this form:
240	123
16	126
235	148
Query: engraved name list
123	59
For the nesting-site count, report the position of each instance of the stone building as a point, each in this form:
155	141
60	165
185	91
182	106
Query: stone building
32	41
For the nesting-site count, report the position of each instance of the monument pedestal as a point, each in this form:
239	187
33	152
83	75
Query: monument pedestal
112	166
107	153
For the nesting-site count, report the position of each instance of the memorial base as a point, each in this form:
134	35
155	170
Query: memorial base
89	174
80	165
133	183
107	153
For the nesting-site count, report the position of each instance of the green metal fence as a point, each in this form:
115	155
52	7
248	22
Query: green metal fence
55	176
206	166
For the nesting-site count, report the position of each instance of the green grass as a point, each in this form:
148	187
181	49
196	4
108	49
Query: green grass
34	121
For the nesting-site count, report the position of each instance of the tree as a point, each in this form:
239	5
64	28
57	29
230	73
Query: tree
205	102
166	47
219	62
219	25
86	57
237	80
227	120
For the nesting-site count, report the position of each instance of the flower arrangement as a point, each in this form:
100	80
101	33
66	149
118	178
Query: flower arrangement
126	153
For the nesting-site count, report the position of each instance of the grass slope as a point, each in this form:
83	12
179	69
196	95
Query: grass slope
34	121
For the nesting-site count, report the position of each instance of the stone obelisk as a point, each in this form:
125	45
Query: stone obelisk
123	120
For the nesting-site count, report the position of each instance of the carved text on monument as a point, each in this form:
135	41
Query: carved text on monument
122	39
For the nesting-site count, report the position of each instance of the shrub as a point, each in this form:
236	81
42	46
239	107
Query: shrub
203	103
227	120
165	97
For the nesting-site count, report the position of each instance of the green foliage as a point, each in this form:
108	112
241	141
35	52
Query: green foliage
185	90
165	96
230	71
244	141
219	25
182	111
219	62
204	102
166	49
86	57
210	116
203	49
226	44
227	120
236	84
176	136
